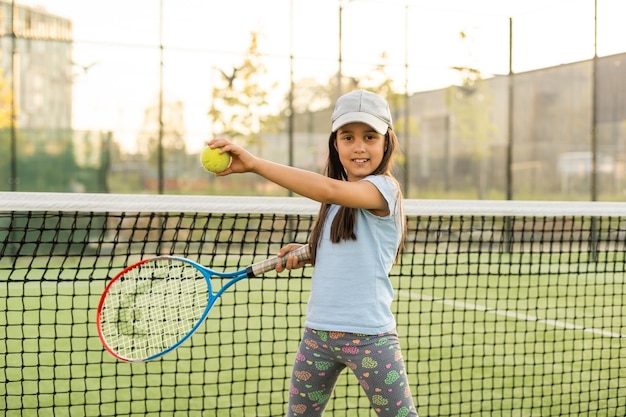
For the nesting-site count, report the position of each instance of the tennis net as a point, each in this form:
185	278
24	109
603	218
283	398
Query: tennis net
503	308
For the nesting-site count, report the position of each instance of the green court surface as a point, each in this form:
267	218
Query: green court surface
499	336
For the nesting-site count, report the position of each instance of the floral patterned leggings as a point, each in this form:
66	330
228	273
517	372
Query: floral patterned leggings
375	360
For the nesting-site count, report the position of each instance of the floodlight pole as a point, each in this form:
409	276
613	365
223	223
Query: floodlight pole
508	222
511	130
160	159
594	115
593	242
407	125
14	96
340	57
291	109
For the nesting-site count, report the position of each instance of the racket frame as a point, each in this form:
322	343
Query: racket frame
251	271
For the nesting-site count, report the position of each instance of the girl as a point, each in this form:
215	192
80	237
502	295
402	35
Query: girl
354	243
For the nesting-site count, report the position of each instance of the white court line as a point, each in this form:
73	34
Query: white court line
512	314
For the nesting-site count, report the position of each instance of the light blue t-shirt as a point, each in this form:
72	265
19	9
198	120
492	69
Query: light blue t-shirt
350	288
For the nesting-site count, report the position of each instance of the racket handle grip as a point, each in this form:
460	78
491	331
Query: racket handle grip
303	253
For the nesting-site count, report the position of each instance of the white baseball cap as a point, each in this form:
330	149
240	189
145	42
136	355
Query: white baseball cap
365	107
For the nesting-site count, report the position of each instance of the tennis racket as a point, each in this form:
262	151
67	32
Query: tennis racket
150	308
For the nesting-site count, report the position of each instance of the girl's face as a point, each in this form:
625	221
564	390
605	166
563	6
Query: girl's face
360	149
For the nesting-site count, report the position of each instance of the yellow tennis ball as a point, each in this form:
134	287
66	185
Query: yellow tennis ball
214	161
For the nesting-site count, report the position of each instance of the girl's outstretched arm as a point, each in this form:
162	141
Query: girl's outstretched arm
359	194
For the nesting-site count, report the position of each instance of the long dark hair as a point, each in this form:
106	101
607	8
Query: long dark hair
342	227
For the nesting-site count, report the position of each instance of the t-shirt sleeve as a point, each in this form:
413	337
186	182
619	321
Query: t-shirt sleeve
388	188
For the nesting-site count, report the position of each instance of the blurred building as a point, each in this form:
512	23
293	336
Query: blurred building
36	47
37	72
549	117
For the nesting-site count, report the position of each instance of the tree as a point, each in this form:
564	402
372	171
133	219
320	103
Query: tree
240	107
6	102
311	96
6	115
470	109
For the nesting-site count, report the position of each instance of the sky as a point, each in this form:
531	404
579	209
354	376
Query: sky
117	60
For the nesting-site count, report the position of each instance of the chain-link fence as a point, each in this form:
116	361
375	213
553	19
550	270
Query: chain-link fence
482	105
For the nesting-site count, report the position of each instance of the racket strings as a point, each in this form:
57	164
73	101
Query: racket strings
152	307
